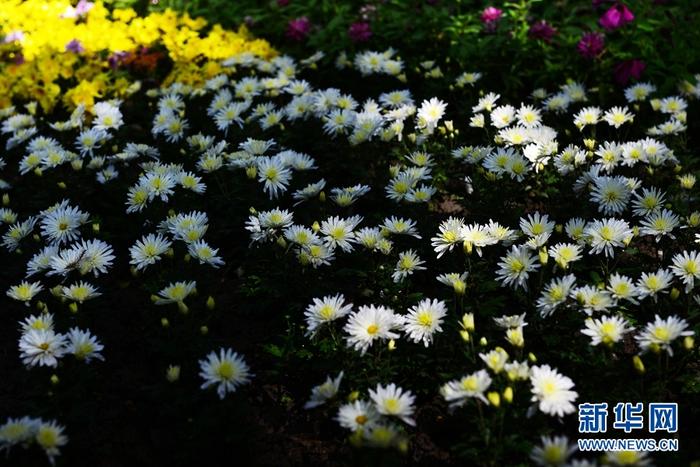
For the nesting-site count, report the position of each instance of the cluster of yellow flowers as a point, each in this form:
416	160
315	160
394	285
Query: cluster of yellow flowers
53	49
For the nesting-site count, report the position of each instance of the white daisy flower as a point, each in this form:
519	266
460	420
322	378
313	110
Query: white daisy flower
458	391
393	401
408	262
357	415
83	345
607	330
225	369
424	320
370	323
41	347
552	391
323	392
325	310
660	334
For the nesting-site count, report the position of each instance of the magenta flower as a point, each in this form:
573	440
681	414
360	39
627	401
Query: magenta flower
591	45
360	31
282	3
629	69
617	16
490	17
542	30
75	46
491	14
298	29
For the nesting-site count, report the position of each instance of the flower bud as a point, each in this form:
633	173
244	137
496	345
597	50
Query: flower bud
638	364
508	394
172	374
688	343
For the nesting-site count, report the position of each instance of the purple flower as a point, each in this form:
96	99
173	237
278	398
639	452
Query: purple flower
282	3
13	36
360	31
75	46
591	45
83	7
629	69
542	30
491	14
116	59
80	10
298	28
617	16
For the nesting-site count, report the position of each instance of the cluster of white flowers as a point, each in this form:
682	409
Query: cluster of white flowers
206	141
25	431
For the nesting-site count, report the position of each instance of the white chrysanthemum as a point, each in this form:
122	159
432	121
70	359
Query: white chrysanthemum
60	225
400	226
607	330
83	345
639	92
611	194
627	458
659	223
41	347
370	323
476	235
357	415
555	294
593	299
650	284
607	234
515	267
80	292
430	113
176	292
148	250
325	310
587	116
554	451
107	116
495	359
686	266
203	252
623	288
450	233
457	392
618	116
17	431
323	392
565	253
339	232
408	262
648	202
226	369
660	334
424	320
275	176
50	437
393	401
552	391
536	224
25	291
